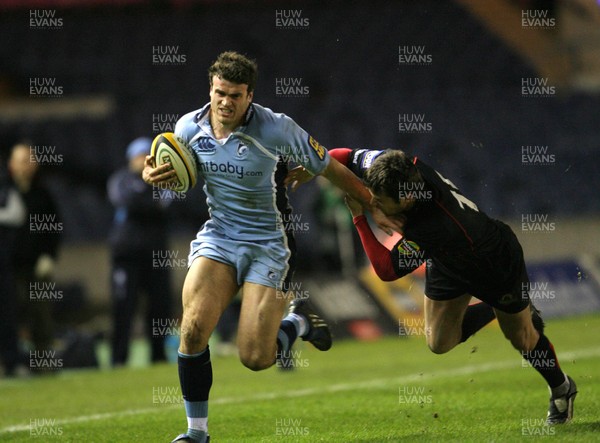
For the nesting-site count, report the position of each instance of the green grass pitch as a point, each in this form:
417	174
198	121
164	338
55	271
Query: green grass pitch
390	390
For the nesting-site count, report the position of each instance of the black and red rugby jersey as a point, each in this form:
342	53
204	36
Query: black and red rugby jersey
443	226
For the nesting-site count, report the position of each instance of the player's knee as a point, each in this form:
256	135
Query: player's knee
191	334
438	348
438	345
256	361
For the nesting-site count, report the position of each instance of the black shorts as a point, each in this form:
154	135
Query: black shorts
499	279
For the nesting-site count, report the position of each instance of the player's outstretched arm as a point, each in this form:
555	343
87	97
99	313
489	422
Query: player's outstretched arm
163	174
379	256
386	263
343	178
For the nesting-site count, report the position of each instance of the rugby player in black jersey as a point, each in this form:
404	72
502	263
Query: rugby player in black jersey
467	254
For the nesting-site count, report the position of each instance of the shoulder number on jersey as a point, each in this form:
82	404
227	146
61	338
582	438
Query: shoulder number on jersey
319	149
461	199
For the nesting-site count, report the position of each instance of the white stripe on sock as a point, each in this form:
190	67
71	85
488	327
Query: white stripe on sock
198	423
301	322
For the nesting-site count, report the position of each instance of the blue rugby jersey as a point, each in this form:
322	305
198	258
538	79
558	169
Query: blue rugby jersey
243	175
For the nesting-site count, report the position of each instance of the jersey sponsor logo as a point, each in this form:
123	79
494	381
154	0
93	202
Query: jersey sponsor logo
206	146
369	158
319	149
408	247
410	256
227	170
242	151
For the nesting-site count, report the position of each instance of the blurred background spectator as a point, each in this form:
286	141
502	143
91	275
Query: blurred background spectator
37	243
12	216
139	256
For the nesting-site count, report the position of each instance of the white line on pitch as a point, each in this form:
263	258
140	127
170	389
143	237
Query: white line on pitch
464	370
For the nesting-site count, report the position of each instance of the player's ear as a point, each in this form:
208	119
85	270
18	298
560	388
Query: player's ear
250	96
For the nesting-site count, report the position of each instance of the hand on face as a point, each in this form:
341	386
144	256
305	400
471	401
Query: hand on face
388	224
388	213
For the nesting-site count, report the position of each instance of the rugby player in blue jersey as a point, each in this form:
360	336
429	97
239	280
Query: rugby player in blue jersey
466	254
242	152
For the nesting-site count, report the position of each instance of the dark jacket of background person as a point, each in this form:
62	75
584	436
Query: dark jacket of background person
140	221
12	214
138	240
46	242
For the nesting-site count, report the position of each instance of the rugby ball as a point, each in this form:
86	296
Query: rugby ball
169	148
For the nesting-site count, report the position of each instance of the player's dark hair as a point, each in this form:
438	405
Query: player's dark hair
235	68
389	171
